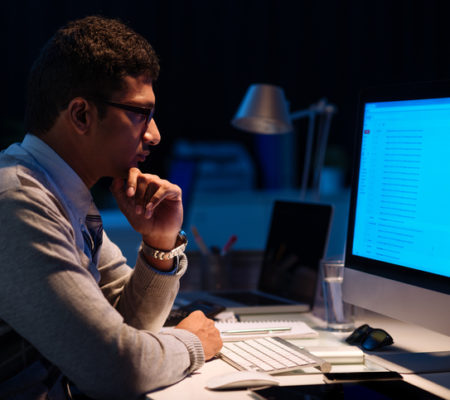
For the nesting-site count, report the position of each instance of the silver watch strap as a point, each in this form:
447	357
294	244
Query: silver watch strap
159	254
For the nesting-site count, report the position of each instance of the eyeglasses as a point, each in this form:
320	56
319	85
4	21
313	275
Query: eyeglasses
147	112
370	338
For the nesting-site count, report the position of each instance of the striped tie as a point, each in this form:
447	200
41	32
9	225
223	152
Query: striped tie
94	238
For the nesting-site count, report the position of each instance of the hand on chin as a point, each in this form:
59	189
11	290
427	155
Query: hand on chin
152	205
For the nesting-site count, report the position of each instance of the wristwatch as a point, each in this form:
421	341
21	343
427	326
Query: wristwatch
180	246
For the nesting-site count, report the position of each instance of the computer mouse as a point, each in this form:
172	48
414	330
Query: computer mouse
241	380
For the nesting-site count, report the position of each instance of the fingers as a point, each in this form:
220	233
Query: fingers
143	191
152	199
206	331
148	191
128	190
131	181
117	186
195	318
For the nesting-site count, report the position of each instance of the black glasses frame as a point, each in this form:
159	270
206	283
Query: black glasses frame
148	112
370	338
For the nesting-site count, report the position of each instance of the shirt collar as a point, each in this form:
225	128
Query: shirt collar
68	182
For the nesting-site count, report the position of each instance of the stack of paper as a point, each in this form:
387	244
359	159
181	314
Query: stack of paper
338	354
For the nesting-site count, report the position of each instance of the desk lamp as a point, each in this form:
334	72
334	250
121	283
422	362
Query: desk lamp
265	110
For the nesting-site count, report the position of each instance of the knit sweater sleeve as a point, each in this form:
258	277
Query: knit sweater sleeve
143	296
52	301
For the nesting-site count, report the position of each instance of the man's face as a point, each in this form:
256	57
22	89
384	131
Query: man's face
123	136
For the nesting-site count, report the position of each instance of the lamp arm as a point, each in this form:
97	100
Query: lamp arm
325	111
307	158
303	113
322	147
321	107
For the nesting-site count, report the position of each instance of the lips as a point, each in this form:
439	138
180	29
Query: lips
141	157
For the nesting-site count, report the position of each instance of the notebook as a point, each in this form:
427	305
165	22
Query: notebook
297	240
233	331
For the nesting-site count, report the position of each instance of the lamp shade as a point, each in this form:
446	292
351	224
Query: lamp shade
264	109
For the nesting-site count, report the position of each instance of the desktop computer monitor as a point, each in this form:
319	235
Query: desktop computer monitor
397	260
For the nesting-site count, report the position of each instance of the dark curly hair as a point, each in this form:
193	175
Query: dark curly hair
87	58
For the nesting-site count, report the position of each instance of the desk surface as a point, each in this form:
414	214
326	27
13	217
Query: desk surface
407	339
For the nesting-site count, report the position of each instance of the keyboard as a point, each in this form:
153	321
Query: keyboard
271	355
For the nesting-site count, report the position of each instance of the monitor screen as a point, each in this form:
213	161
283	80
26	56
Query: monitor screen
399	223
402	201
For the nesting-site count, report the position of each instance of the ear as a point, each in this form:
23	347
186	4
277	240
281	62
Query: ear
81	114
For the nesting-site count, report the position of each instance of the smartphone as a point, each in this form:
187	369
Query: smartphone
336	377
208	308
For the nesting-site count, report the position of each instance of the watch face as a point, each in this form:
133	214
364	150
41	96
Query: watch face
182	240
182	236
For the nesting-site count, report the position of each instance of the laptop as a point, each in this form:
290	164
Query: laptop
296	242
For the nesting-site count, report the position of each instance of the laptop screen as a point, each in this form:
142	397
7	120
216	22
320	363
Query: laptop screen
297	241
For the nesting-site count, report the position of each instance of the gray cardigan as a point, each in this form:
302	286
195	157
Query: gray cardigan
100	327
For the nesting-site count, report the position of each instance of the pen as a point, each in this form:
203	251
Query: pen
256	330
199	240
227	246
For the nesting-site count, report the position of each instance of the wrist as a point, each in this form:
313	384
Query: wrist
164	250
164	241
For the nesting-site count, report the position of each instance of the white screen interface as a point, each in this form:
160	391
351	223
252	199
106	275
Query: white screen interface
403	201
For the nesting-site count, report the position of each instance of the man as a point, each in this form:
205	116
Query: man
71	310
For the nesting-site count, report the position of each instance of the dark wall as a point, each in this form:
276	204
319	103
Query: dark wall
211	51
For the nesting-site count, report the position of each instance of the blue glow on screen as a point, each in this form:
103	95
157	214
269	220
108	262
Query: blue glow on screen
403	200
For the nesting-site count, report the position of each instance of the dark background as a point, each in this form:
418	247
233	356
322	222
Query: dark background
211	51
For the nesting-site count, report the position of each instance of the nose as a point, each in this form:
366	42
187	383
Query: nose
151	134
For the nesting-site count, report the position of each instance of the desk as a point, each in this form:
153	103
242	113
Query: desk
407	338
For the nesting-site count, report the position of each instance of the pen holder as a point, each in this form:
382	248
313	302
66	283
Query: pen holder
216	271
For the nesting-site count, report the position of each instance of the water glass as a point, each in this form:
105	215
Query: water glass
338	315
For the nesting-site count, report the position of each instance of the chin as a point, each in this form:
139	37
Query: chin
122	173
134	165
